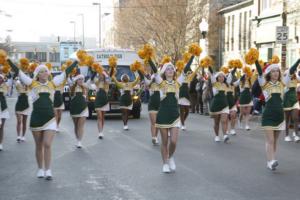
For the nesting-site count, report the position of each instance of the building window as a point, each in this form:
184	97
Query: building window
232	34
240	32
30	55
245	31
66	52
54	57
41	56
228	33
265	4
249	32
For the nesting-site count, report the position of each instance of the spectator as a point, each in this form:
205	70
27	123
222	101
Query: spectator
193	95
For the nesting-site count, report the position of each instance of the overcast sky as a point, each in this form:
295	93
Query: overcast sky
34	18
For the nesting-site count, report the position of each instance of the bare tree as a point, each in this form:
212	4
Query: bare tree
162	23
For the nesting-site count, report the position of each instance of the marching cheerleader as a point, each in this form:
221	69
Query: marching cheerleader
291	106
42	121
153	105
100	79
184	97
168	118
273	115
230	95
126	89
78	106
22	109
58	103
4	114
219	109
245	99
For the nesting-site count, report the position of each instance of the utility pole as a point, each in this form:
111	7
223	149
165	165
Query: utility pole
283	47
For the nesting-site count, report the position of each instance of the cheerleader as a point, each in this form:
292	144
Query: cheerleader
126	89
245	101
4	114
219	109
78	106
153	105
291	106
101	103
168	118
184	97
230	95
58	103
22	109
42	120
273	115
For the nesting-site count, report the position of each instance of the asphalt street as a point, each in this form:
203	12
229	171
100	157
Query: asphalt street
125	165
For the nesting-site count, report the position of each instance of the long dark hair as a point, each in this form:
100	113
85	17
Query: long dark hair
268	76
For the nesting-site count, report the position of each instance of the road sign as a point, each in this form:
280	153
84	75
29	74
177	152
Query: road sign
282	34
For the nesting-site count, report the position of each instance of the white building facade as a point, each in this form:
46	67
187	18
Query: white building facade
237	36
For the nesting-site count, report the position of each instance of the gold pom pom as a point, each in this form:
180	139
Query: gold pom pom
68	63
207	61
5	68
112	61
231	64
247	70
24	64
275	59
135	66
142	53
180	65
225	69
166	59
96	67
81	54
251	56
88	60
149	51
186	57
3	56
32	67
238	64
49	65
195	49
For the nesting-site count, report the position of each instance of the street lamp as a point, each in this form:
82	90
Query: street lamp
73	22
99	4
203	26
82	17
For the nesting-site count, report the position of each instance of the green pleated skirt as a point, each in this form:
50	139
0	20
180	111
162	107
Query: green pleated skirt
184	91
126	100
219	104
290	101
58	100
154	102
245	98
168	113
78	106
101	99
3	102
230	100
273	114
22	105
42	113
4	111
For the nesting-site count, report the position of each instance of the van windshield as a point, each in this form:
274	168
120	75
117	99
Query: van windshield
123	69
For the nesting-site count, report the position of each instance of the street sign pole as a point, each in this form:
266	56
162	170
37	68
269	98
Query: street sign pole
283	47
